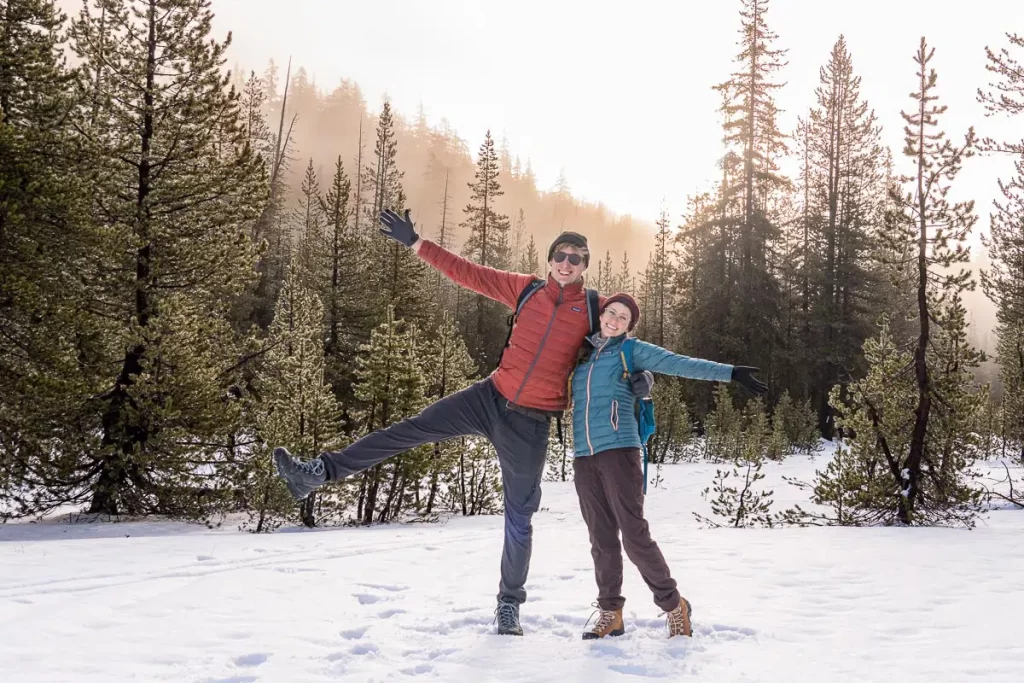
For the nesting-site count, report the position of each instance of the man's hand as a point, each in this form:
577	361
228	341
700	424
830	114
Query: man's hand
398	228
641	383
745	375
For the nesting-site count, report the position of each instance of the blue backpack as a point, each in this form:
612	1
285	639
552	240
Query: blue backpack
644	406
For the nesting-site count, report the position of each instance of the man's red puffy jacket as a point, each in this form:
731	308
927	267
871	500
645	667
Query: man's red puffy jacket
551	327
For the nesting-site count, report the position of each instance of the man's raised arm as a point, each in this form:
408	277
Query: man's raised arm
499	285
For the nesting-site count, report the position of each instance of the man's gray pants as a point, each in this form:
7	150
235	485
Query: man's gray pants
521	443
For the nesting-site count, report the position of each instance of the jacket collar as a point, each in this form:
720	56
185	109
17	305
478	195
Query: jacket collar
597	340
571	290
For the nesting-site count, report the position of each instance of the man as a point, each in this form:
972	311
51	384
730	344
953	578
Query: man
512	407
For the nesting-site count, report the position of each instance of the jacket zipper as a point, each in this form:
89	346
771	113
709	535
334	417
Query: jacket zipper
540	348
586	414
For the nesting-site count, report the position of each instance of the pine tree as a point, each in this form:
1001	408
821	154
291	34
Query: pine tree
398	277
177	188
754	143
529	261
448	368
487	245
606	282
661	276
390	386
624	278
518	235
742	504
843	208
343	290
297	410
925	218
308	219
270	231
872	482
1006	96
53	344
1004	281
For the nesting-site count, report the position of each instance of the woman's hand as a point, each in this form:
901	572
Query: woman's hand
744	375
641	383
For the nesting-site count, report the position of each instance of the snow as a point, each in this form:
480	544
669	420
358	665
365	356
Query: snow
161	601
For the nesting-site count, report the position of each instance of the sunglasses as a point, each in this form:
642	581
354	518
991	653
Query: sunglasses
574	259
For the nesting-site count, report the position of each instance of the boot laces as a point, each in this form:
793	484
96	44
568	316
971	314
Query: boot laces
314	467
507	615
676	622
604	620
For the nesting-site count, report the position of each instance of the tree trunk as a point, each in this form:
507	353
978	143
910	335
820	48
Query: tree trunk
123	431
924	400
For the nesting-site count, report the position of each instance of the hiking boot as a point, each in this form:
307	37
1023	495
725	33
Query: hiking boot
302	477
679	620
609	623
507	616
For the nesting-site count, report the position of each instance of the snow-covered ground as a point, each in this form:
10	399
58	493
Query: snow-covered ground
172	602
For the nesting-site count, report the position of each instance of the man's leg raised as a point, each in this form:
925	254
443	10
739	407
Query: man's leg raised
463	413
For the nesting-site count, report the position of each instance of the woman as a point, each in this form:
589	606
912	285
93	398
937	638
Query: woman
607	466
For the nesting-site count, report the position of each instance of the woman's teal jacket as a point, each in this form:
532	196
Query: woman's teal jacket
603	415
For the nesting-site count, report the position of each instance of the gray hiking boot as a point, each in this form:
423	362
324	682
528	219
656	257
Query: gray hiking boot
302	477
507	616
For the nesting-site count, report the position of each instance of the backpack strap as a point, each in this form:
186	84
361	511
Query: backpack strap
626	356
524	296
594	309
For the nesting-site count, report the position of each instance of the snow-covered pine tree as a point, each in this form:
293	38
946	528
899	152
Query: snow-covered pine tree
177	188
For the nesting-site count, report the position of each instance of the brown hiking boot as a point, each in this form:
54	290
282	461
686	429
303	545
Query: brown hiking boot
679	620
609	623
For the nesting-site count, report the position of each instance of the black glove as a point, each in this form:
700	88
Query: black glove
745	376
398	228
641	383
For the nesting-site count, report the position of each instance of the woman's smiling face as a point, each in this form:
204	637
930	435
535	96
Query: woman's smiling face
615	319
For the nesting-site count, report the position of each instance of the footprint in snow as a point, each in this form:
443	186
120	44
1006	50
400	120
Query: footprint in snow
418	669
254	659
607	649
366	598
388	613
637	670
365	649
354	633
392	588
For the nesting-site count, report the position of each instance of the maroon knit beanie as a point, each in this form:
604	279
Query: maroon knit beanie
627	301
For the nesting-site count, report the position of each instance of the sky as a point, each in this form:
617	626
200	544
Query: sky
619	96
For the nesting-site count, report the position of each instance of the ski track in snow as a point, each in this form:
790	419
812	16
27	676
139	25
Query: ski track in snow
168	602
